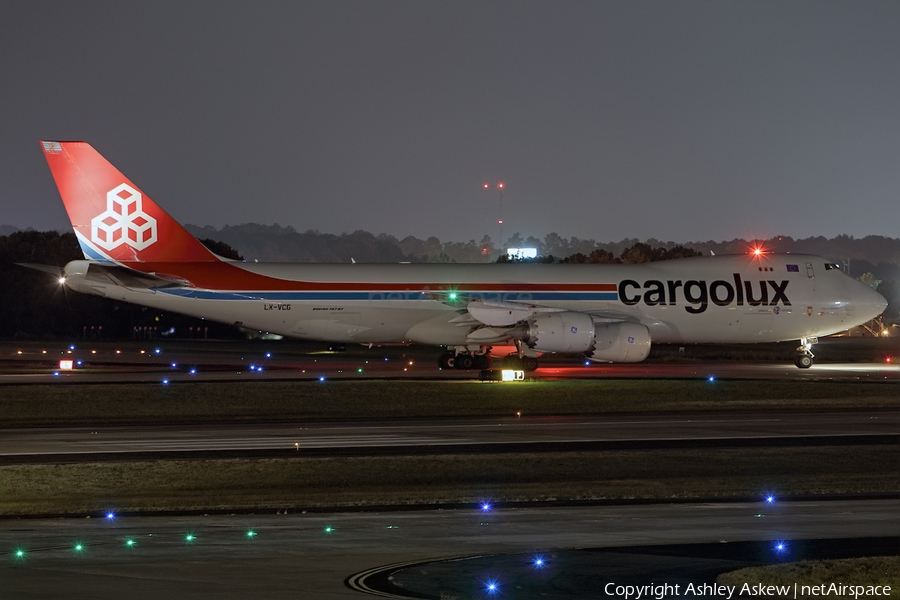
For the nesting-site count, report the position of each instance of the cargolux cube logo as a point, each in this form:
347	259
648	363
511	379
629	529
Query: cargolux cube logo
124	221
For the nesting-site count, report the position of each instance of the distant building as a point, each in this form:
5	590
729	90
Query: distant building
520	253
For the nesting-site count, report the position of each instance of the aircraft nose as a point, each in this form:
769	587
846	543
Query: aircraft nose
867	303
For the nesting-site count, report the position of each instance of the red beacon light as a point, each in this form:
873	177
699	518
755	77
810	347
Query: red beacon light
757	251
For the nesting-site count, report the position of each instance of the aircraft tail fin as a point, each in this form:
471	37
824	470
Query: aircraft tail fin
112	218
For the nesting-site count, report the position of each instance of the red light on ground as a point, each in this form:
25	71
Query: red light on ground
888	359
500	221
500	185
485	186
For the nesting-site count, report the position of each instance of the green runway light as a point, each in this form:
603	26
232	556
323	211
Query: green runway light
20	554
329	529
129	543
190	537
251	534
78	548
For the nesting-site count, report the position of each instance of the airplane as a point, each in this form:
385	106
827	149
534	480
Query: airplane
135	252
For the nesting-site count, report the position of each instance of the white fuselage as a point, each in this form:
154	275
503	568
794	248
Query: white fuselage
707	299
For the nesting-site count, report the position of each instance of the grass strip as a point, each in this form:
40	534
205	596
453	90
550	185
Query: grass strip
873	571
419	480
93	404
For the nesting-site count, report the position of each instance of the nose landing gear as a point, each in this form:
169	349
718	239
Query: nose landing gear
804	358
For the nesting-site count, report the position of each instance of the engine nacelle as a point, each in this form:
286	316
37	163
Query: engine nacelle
620	342
560	332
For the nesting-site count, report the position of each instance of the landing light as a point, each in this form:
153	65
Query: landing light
62	280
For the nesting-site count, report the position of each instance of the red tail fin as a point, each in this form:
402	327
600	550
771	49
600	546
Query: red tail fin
113	219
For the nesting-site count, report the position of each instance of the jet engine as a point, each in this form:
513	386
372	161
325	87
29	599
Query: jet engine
560	332
620	342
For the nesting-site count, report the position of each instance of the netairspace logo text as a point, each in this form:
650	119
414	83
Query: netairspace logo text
663	590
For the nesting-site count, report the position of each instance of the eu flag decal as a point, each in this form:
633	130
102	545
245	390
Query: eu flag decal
793	269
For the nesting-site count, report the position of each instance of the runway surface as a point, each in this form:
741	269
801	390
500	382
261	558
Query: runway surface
420	553
25	363
321	555
452	435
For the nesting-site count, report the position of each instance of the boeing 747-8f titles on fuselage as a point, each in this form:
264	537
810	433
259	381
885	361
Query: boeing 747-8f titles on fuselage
136	252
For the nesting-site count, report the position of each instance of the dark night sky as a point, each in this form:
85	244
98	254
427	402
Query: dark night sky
675	120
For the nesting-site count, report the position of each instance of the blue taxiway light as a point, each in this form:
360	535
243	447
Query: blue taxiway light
711	378
770	499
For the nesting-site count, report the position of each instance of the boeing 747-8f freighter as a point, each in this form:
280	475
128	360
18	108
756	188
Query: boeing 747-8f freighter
134	251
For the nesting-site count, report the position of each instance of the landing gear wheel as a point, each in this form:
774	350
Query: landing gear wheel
803	361
482	362
447	361
529	363
464	361
512	362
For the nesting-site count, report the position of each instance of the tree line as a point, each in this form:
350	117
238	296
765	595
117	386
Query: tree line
36	306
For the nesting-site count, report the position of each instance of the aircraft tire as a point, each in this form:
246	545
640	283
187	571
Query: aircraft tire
482	361
803	361
447	361
529	363
464	361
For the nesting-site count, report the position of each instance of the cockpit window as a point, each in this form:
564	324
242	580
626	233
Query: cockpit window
831	267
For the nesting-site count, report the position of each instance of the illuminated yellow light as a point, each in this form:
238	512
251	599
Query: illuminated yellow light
510	375
66	365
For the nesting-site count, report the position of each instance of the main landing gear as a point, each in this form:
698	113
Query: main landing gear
473	357
804	358
465	361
